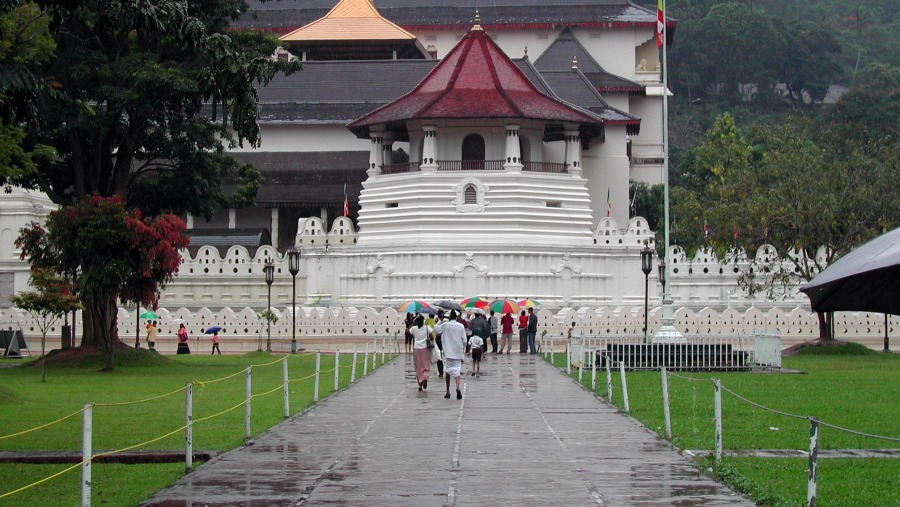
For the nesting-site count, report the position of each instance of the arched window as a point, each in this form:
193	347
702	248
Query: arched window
473	152
471	195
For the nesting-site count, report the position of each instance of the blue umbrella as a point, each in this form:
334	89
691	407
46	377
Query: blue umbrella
212	329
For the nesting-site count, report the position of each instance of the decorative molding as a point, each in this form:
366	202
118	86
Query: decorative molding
566	263
460	201
470	262
379	263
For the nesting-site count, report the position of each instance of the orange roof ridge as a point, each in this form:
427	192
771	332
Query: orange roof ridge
350	20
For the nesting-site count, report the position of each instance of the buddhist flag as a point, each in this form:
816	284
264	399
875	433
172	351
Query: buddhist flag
660	22
346	202
608	202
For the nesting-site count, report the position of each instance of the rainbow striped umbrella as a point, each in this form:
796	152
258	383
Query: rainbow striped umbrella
416	306
475	302
505	306
529	303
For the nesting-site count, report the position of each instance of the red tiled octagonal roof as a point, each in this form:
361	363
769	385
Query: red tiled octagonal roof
475	80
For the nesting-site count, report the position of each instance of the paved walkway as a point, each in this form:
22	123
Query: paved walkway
523	434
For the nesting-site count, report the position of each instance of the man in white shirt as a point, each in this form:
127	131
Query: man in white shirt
453	338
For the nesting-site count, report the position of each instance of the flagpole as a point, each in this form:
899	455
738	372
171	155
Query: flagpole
667	331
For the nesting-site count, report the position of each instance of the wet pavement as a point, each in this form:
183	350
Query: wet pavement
523	434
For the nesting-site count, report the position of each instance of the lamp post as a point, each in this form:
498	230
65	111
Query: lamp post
646	267
294	268
662	273
269	270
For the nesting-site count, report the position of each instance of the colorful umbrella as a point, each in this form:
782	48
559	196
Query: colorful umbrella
148	315
529	303
505	306
475	302
416	306
213	329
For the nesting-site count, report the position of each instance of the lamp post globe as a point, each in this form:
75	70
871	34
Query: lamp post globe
269	270
294	268
646	267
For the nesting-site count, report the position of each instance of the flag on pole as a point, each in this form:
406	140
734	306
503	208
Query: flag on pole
608	203
660	22
346	202
705	230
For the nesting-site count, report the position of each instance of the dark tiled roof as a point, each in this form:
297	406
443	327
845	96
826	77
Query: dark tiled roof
285	15
308	178
223	239
574	87
558	57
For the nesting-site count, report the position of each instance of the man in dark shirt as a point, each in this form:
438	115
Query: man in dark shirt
532	329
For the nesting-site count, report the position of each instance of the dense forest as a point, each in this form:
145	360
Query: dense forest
784	129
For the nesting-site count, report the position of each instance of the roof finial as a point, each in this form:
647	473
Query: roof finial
526	51
574	63
476	27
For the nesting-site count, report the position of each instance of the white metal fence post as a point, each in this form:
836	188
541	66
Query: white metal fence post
248	394
284	380
366	361
383	347
609	386
189	427
353	365
318	369
718	407
552	358
374	352
624	387
337	370
594	371
665	393
87	427
568	360
812	483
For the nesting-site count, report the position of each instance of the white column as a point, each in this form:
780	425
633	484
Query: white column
513	149
189	221
323	214
232	218
273	225
429	150
573	152
387	146
376	153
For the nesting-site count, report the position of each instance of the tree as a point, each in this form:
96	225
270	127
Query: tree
150	95
25	43
811	64
116	253
51	300
777	187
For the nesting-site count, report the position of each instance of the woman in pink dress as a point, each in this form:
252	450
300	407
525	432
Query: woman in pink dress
421	353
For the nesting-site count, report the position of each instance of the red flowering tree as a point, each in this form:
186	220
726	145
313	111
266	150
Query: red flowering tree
115	253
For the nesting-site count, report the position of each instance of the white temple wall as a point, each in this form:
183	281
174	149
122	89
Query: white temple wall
277	137
18	209
512	42
606	167
614	50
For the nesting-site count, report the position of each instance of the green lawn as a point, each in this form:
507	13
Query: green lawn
857	392
26	402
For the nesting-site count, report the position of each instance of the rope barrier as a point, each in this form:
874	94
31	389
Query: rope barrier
142	444
45	479
203	382
273	362
200	419
139	401
762	407
302	379
267	392
689	379
859	433
24	432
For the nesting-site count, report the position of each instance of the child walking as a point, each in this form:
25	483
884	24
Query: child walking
477	344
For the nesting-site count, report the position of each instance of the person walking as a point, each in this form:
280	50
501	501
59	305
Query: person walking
183	347
506	332
421	353
453	336
439	346
495	329
407	336
532	329
215	340
523	333
151	335
478	346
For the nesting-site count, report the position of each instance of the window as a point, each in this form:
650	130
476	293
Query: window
471	195
473	152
